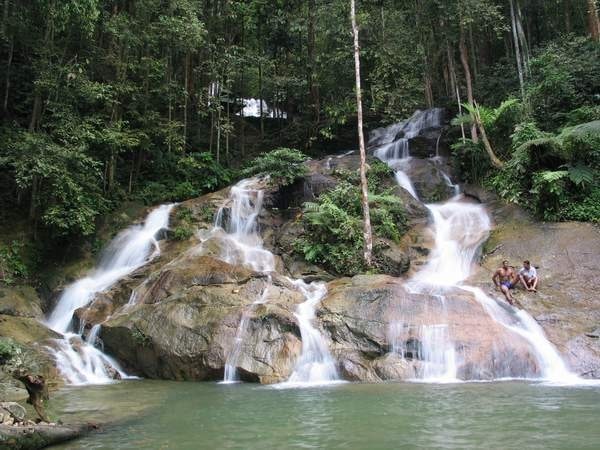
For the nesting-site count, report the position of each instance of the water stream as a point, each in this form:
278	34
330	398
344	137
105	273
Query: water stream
315	366
236	227
78	359
460	228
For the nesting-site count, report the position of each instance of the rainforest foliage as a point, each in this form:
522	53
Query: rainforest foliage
104	102
333	234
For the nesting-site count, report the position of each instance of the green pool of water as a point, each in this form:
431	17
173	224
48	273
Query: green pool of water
169	415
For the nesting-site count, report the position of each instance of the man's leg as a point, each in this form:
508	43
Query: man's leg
506	293
526	282
534	284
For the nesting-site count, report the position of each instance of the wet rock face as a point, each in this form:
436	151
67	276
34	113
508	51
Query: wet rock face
185	307
430	140
184	323
567	258
20	301
380	332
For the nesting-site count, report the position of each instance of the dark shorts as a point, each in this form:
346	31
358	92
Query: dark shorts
508	284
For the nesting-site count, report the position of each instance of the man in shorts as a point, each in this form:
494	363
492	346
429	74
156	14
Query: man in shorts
506	279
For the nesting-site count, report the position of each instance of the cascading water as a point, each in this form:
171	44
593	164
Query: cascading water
460	228
241	244
315	366
394	143
79	361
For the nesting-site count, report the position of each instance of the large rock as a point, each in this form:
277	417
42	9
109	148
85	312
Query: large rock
567	256
26	338
22	301
32	437
428	179
379	331
11	412
184	322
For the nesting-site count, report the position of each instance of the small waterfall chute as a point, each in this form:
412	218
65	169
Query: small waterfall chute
315	366
79	361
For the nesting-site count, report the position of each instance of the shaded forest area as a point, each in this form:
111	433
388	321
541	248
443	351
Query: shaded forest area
110	101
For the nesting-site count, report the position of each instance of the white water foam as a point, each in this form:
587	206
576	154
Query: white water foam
81	362
316	365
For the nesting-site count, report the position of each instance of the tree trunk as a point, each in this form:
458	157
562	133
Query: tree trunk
5	15
451	71
227	131
367	234
593	21
219	131
7	82
312	75
186	96
464	58
567	14
454	84
476	116
260	95
170	103
523	41
517	47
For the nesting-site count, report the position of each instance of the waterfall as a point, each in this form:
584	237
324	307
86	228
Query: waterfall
241	244
80	362
315	366
395	150
460	228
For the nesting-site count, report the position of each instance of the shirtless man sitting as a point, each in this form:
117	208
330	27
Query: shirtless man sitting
506	279
528	276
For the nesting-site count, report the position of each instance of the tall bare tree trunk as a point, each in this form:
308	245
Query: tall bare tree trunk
593	21
464	58
567	14
367	234
312	61
7	81
517	47
185	96
260	95
476	116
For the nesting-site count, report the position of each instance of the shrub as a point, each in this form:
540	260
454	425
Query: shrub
282	165
587	210
12	264
181	178
184	228
140	338
7	351
333	225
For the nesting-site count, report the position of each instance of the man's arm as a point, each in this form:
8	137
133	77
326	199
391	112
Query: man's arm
496	277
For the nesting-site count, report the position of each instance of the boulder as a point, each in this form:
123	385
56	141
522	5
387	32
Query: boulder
11	412
21	301
381	331
28	338
428	180
37	436
187	331
567	258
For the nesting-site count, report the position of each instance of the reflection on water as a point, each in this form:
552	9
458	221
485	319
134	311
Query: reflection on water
168	415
